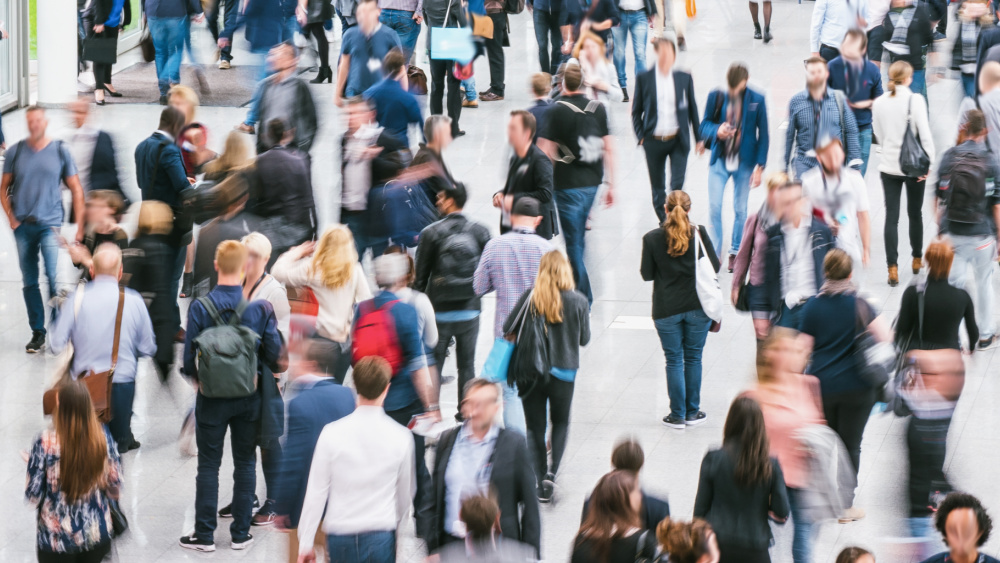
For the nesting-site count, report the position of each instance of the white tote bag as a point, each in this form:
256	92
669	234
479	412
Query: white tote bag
706	281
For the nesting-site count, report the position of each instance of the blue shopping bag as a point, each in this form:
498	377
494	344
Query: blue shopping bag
452	44
495	369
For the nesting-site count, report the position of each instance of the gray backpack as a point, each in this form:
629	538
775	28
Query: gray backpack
227	355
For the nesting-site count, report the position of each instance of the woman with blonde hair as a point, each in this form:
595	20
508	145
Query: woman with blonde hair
567	323
74	476
669	261
599	75
236	155
336	279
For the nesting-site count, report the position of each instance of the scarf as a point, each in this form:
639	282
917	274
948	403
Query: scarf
837	287
901	28
969	35
735	119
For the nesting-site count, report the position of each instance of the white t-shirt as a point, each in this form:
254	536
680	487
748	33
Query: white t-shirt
840	200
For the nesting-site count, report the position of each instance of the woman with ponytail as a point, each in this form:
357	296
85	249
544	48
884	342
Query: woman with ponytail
687	542
668	260
74	473
567	324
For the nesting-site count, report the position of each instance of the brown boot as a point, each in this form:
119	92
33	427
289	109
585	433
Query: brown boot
917	264
893	275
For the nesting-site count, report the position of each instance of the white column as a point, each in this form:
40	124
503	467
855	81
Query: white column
57	32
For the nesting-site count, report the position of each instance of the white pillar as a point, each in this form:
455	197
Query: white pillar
57	32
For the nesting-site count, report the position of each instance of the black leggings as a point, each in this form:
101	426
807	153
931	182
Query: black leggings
740	554
893	188
316	31
847	414
558	395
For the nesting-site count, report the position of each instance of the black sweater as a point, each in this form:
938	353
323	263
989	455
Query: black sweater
565	338
945	306
674	290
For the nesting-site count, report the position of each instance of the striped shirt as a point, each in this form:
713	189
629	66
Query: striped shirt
509	266
803	129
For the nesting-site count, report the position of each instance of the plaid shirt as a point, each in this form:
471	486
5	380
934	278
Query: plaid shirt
509	266
803	130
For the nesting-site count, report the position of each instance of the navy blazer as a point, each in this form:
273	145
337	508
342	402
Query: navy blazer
103	169
822	242
644	107
308	413
171	177
754	141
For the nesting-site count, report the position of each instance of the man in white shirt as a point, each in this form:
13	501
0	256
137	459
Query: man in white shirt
363	473
830	21
841	196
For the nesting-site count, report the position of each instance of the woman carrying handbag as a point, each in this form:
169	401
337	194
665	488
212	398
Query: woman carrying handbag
102	22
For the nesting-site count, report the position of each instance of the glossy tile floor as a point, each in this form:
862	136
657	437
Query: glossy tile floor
621	387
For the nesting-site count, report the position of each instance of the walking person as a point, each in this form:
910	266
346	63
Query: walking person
735	126
439	14
636	17
396	109
612	532
362	50
74	476
830	21
529	175
688	542
31	195
546	15
664	118
93	153
891	117
168	25
628	456
965	526
567	329
740	487
909	34
973	19
230	13
598	74
105	19
481	516
766	36
495	10
404	17
285	96
669	260
312	15
861	82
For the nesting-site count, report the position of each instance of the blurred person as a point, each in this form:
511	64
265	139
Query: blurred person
687	542
193	137
258	284
31	195
664	123
242	416
312	15
437	137
233	223
855	555
766	36
598	73
93	153
741	487
439	14
735	126
318	400
230	13
974	17
104	20
789	402
479	457
481	517
90	326
528	175
335	277
363	48
839	197
636	18
793	257
545	17
669	261
404	17
578	16
985	47
965	526
612	531
861	82
968	209
909	34
567	329
403	288
74	476
167	20
749	266
447	257
395	107
236	156
988	102
811	112
103	206
362	474
285	96
541	85
831	19
578	140
628	456
509	265
495	10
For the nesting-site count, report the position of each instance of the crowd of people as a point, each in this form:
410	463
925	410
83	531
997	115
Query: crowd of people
293	350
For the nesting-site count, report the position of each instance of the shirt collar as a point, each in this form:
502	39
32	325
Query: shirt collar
165	134
523	230
234	289
465	434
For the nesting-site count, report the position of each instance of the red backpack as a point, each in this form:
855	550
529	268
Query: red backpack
375	335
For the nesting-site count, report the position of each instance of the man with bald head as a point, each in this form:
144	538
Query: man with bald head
87	320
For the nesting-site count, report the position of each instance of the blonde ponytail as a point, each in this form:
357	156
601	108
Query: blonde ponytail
678	226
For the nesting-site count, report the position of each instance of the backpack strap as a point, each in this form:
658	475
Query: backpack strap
118	328
211	310
237	317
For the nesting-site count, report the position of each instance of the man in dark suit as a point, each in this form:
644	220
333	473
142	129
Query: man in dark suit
493	460
664	115
529	174
99	160
628	456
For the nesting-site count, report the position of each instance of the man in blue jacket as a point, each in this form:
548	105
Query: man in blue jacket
395	107
735	125
168	27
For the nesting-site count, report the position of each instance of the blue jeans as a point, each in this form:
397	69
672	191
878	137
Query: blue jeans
513	410
369	547
122	397
470	88
212	418
969	85
405	26
802	535
682	337
288	29
32	240
976	256
574	205
253	114
919	84
865	140
634	22
718	177
549	40
168	38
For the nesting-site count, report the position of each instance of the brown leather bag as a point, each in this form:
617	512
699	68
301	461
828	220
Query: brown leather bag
98	384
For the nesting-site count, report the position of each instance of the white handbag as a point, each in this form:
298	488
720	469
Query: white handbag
706	281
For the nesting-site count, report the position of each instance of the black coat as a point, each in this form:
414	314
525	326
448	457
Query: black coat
147	263
644	107
282	186
430	247
104	168
512	479
318	11
533	177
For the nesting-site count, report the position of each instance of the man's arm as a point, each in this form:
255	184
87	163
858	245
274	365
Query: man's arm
270	339
413	349
8	209
345	67
425	260
196	313
173	164
73	183
818	15
146	339
317	491
763	135
609	169
638	103
853	146
865	226
709	128
59	333
308	109
482	281
693	111
406	479
789	139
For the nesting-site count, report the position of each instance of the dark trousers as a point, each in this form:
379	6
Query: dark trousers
212	418
464	333
828	53
548	36
316	31
494	52
740	554
360	226
926	441
95	555
441	73
403	416
102	72
892	186
556	397
228	23
657	153
177	270
122	397
270	462
847	414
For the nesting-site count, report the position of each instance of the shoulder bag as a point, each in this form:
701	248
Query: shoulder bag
874	360
530	364
452	43
707	283
498	361
913	161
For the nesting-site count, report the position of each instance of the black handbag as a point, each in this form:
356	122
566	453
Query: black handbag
119	524
147	47
913	161
530	364
102	50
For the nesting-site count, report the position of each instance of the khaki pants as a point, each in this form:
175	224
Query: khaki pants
673	21
319	545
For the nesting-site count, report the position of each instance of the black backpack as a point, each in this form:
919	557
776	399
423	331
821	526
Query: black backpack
967	184
456	263
586	130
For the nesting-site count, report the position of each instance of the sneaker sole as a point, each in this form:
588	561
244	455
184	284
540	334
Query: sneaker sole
674	425
695	422
242	546
34	350
197	547
268	523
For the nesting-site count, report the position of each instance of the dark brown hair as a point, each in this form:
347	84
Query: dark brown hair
610	515
816	60
541	83
745	436
371	377
737	73
479	513
393	63
939	256
852	554
686	542
83	447
572	77
628	456
527	120
837	265
857	33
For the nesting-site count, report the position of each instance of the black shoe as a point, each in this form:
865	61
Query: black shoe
37	343
986	343
243	543
756	31
186	284
163	100
767	35
625	94
459	418
133	446
99	102
325	75
191	542
696	419
675	422
265	516
112	93
547	489
227	511
682	44
457	134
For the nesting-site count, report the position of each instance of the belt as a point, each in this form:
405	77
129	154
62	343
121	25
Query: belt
663	138
830	47
632	11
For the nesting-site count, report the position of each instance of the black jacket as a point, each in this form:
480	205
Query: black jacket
644	107
565	338
649	5
822	242
104	168
282	187
511	478
148	263
432	240
532	176
945	307
303	119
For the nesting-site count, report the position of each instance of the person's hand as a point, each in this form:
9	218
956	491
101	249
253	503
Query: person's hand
337	100
433	416
308	557
198	18
815	53
725	131
14	223
498	199
567	47
736	296
601	85
866	257
922	178
419	18
99	28
700	148
79	233
713	549
755	177
305	249
300	15
640	142
79	254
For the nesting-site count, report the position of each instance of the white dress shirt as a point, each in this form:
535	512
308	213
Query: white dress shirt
363	473
798	275
468	474
666	105
831	19
840	199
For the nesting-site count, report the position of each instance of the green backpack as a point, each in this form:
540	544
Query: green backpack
227	355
